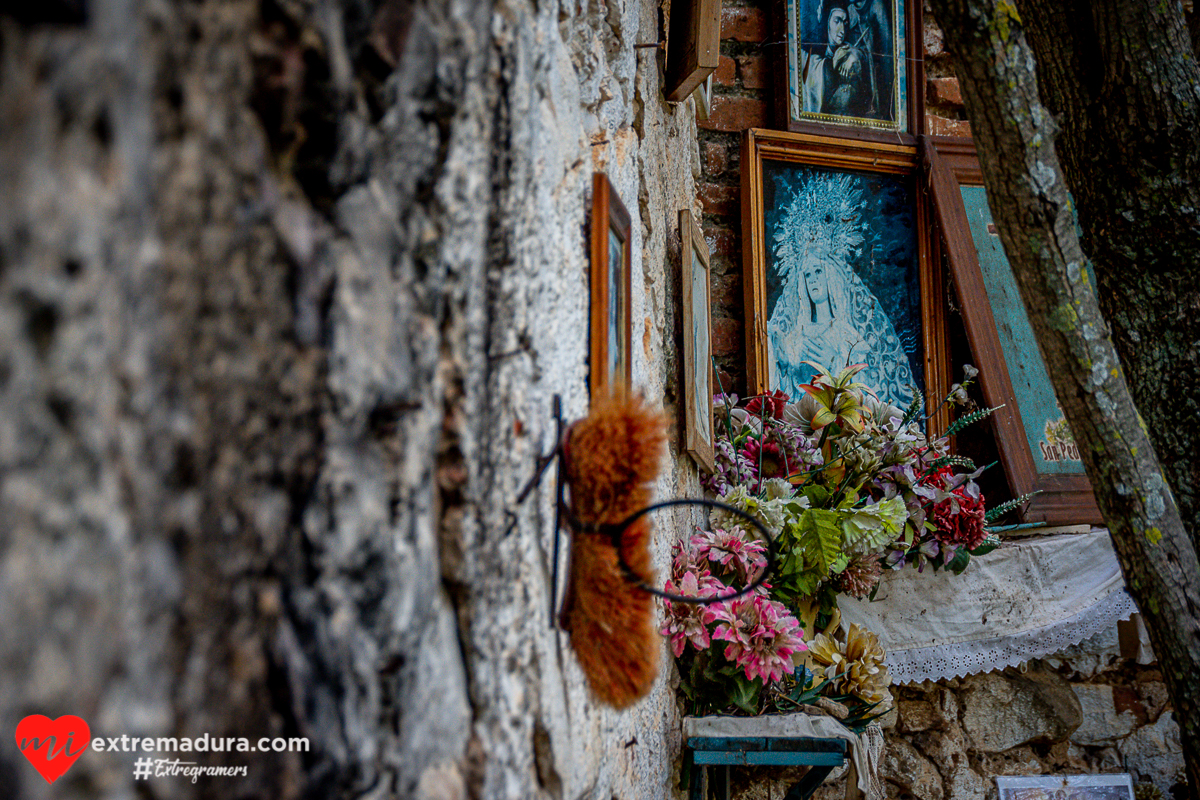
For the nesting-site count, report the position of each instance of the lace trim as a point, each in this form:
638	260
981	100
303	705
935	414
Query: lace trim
983	655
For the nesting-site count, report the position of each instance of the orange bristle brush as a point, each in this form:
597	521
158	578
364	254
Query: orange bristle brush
610	461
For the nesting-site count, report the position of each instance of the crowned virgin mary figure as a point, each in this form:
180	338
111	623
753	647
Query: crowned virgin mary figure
824	312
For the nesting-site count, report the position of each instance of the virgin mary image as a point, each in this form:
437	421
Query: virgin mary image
824	312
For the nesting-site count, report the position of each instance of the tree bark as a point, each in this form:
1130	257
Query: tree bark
1122	80
1138	272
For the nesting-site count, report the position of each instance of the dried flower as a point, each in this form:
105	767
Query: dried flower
860	576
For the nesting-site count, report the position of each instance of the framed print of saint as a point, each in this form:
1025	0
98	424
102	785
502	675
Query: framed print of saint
1036	448
836	268
1117	786
846	63
697	348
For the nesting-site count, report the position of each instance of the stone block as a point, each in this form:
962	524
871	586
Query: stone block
1102	724
1153	695
753	71
1155	753
715	158
743	24
726	336
726	72
903	765
720	200
734	114
933	39
1000	712
918	715
945	91
940	126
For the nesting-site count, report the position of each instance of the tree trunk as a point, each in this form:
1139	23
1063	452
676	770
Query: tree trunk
1015	136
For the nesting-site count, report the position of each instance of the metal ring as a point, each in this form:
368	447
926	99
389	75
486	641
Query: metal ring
616	531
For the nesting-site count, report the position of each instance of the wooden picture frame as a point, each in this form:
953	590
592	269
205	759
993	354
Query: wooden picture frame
610	279
1011	371
855	210
848	87
697	342
693	46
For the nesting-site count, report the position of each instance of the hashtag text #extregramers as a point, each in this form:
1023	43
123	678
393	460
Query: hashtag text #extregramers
165	767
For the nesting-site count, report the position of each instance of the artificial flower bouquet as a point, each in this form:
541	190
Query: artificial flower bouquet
848	486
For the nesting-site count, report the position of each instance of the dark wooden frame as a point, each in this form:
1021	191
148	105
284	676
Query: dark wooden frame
914	85
609	214
1063	499
693	46
694	248
759	145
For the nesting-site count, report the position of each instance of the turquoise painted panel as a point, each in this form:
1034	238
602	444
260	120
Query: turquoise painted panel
1050	441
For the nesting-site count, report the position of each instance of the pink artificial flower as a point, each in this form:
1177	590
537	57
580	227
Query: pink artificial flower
686	622
761	633
734	550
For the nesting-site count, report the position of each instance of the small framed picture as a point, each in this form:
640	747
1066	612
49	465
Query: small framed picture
847	63
837	268
611	264
1036	448
697	351
693	46
1065	787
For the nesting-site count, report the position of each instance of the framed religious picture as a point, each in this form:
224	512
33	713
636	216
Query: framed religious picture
693	46
611	260
837	269
1065	787
697	351
848	65
1036	448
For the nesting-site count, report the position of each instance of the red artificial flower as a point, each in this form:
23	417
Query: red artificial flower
773	402
962	527
773	461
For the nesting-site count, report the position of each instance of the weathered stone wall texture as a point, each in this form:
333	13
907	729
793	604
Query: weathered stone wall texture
286	288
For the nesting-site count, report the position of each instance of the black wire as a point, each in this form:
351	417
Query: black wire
617	531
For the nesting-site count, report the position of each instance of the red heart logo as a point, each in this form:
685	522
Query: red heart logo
50	745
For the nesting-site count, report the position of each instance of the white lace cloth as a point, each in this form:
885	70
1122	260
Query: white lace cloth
1024	600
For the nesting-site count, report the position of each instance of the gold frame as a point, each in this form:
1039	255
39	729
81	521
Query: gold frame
694	248
873	157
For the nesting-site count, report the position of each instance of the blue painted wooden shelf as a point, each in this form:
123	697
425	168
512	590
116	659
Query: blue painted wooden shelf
720	752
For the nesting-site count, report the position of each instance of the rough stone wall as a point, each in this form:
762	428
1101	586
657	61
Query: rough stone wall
286	287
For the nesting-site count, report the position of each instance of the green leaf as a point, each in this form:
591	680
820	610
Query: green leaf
988	545
951	461
1002	509
914	408
744	693
969	419
960	561
867	529
818	496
